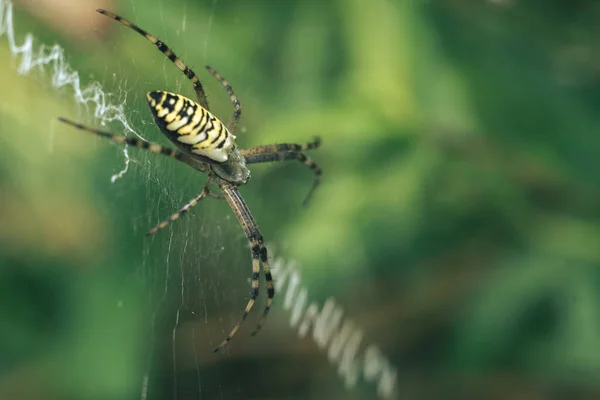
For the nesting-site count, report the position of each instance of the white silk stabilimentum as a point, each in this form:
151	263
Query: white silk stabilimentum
339	337
61	74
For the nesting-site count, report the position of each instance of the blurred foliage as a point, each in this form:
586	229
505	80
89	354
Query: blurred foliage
457	222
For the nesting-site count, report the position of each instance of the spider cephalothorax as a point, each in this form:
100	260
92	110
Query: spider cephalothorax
206	144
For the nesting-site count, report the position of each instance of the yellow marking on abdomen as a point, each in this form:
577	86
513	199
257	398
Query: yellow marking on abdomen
195	123
214	135
170	117
192	139
178	123
203	122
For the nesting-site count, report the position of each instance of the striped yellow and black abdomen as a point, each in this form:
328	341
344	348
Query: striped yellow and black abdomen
190	126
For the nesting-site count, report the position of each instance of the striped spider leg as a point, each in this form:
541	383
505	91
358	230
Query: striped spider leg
208	146
174	217
259	256
237	110
156	148
163	48
284	152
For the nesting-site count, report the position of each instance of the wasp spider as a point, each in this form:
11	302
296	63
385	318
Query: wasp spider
207	145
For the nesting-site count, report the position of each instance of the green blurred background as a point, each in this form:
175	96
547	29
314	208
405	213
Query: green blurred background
457	222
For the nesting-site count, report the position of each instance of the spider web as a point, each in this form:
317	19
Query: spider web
195	272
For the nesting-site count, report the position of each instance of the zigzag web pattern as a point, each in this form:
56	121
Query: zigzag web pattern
53	58
338	336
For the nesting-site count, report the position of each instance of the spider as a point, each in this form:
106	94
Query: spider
207	145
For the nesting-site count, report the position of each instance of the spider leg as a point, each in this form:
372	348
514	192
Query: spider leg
167	52
237	110
281	147
258	251
142	144
284	152
270	287
205	192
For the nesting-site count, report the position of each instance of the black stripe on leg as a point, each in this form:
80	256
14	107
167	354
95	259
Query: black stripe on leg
134	27
253	293
263	254
166	51
270	290
171	55
312	145
189	73
256	251
269	284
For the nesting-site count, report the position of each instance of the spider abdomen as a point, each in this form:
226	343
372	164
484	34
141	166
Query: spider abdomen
190	126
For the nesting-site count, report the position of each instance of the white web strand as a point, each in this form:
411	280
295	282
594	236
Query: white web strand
339	337
62	75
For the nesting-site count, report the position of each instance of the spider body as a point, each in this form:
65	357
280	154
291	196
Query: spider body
196	131
207	145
